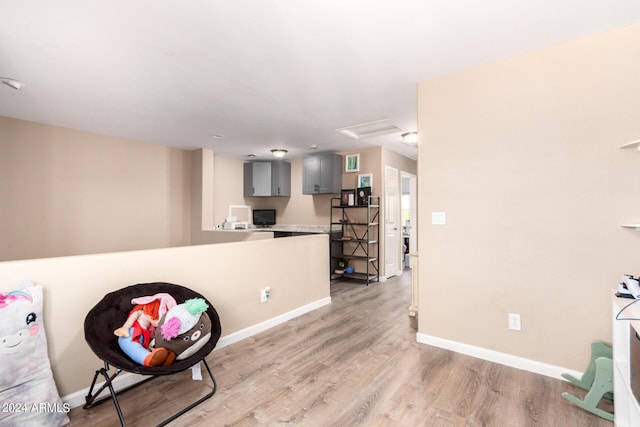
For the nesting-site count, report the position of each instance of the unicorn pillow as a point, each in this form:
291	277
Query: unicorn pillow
28	394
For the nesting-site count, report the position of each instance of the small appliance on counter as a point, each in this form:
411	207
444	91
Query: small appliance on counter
238	218
232	223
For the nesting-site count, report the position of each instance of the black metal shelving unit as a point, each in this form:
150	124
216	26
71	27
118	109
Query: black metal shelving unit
357	246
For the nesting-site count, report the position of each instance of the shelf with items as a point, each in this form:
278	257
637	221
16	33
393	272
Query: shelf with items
355	252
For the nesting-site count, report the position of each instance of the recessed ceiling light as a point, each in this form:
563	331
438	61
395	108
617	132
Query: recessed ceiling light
12	83
216	136
314	146
251	155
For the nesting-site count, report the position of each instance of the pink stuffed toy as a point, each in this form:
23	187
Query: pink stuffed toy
138	331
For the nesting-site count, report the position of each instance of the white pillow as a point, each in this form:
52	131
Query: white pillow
28	394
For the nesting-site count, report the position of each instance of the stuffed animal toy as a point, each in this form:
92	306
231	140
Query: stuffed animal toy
137	332
184	329
26	380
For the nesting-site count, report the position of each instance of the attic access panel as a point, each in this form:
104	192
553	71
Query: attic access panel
370	129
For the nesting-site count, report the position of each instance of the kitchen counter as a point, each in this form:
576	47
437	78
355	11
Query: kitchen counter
293	228
285	230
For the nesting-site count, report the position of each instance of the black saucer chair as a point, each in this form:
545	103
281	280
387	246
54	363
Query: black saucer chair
109	314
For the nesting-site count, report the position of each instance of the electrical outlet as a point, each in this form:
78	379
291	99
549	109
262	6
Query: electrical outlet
264	294
514	322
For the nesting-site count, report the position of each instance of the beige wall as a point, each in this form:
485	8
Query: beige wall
314	210
523	157
64	192
307	209
373	161
202	191
228	180
393	159
204	188
302	209
297	209
72	285
370	163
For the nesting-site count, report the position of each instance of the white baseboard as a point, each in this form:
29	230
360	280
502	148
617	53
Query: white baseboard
498	357
127	379
263	326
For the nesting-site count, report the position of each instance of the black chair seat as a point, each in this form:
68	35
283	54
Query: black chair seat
112	311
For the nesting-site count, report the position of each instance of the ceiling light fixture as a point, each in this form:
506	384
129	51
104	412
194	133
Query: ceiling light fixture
279	152
12	83
410	138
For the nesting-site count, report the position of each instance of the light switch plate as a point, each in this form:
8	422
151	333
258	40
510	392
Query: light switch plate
438	218
514	322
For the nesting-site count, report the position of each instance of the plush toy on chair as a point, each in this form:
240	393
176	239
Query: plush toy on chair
136	334
184	329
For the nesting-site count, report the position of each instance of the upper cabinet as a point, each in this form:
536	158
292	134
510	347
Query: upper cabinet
322	174
267	178
281	178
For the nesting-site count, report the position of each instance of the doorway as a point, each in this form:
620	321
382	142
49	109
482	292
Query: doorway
408	215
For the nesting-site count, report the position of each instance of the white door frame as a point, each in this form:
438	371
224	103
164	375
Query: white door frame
392	227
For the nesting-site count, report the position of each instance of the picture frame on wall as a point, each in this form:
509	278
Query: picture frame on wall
348	197
365	180
352	163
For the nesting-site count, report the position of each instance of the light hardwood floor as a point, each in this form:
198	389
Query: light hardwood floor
354	362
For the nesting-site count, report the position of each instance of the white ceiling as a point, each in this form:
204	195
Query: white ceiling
263	73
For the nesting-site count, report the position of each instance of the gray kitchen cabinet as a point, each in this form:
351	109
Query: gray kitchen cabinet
322	174
267	178
280	178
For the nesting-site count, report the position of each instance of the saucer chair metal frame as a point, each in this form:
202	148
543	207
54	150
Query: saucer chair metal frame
109	314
